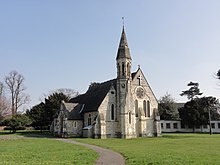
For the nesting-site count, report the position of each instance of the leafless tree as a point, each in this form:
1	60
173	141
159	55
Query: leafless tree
1	88
4	103
218	75
68	92
15	85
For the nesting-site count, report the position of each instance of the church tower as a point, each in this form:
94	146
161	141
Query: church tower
124	97
123	58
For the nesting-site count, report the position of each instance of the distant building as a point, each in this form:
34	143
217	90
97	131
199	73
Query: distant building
172	126
124	107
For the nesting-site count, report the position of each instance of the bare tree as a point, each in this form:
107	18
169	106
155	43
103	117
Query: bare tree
68	92
4	103
1	88
217	75
15	85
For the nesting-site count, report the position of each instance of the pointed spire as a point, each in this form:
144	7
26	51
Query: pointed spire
123	50
123	41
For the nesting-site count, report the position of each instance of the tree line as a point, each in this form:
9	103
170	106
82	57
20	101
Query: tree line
197	111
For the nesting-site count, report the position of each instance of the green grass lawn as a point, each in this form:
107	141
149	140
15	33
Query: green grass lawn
17	150
169	149
199	149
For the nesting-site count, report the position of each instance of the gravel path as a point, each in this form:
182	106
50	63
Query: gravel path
107	157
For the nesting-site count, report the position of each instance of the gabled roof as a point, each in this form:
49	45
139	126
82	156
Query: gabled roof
71	110
74	114
123	49
94	95
69	106
141	72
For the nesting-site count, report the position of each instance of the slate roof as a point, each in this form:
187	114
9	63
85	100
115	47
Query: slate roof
74	112
94	96
123	50
133	74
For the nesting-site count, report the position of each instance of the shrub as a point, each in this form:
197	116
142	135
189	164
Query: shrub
16	122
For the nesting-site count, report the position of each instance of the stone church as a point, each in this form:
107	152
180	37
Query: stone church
124	107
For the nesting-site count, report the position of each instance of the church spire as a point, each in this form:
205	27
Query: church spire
123	58
123	49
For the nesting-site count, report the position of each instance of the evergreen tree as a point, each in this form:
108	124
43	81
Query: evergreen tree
38	116
52	105
167	108
196	112
16	122
192	92
43	113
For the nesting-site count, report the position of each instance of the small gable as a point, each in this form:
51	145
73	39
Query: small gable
72	110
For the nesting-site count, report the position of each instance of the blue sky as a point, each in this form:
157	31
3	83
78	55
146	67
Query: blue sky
69	43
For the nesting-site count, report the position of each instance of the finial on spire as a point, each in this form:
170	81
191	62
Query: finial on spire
139	66
123	21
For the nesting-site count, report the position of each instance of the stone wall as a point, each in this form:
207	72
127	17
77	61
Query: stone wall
107	126
67	128
147	126
92	115
74	128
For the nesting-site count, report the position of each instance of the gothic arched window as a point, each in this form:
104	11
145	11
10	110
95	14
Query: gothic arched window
148	108
128	69
145	108
89	120
129	117
119	70
112	112
136	108
123	69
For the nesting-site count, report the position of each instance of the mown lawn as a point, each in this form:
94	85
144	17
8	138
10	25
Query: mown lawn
199	149
17	150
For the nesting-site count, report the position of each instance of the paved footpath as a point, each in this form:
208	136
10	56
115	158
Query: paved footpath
107	157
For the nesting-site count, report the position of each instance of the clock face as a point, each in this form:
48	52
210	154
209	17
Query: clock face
140	92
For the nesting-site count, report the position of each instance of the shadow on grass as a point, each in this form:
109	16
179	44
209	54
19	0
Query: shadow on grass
30	134
176	136
5	133
184	135
35	134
